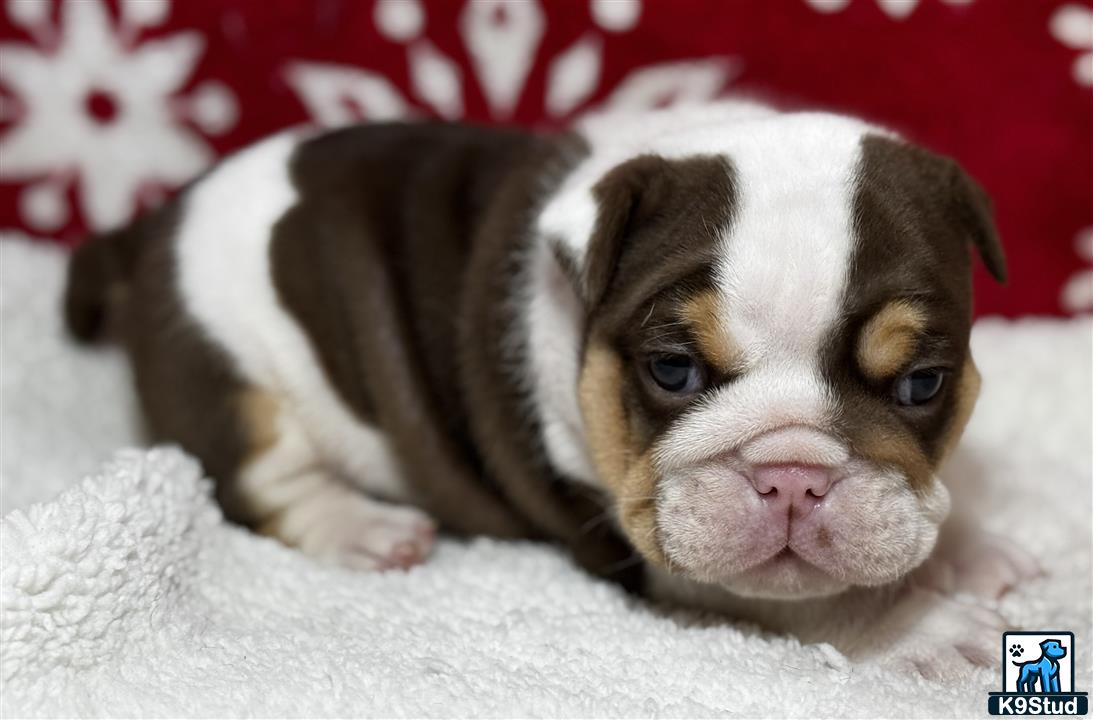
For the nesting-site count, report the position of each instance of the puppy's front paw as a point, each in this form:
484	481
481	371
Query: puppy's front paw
941	638
399	538
354	531
980	564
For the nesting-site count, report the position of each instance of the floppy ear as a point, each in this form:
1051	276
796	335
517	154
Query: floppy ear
650	210
974	209
626	196
939	187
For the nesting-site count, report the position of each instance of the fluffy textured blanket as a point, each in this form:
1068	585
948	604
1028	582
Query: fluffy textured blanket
125	593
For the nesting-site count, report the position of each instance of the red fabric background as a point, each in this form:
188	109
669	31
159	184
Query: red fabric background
985	82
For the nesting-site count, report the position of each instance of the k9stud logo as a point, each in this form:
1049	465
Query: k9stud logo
1038	676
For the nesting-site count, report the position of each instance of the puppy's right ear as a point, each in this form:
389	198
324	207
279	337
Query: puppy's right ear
651	208
625	196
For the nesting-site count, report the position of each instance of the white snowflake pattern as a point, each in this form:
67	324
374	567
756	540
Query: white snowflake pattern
96	107
1072	25
502	38
1077	294
895	9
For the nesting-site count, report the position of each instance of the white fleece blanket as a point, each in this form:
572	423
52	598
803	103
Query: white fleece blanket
126	594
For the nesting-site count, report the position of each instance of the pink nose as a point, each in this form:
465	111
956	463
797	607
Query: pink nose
793	489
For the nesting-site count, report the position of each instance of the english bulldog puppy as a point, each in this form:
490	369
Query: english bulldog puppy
717	351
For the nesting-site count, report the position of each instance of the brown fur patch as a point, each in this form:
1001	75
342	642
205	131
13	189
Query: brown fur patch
704	314
257	410
936	190
966	395
273	527
616	451
379	287
258	414
888	340
914	213
888	446
638	508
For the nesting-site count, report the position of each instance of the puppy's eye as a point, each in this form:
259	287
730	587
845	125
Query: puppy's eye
919	386
677	374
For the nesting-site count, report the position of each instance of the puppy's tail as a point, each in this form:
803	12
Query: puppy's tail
98	276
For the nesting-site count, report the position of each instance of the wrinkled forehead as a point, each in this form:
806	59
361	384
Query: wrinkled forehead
778	263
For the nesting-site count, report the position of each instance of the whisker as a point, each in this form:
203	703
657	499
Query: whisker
594	521
635	499
669	322
631	561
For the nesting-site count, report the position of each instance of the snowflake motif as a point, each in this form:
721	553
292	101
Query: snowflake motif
97	108
895	9
1077	294
502	39
1072	25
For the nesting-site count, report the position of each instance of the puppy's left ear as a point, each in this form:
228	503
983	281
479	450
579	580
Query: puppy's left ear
973	208
940	188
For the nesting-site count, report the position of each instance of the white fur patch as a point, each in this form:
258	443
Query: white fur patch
225	283
782	275
554	316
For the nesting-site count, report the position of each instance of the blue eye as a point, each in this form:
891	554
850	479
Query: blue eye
920	386
676	373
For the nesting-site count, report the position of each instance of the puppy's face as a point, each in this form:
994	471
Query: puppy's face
776	358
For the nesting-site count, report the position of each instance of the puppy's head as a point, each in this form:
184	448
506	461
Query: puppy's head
776	351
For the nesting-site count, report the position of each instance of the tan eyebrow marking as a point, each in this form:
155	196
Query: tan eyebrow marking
889	338
897	447
704	314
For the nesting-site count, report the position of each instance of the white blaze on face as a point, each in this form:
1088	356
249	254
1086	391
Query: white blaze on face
782	276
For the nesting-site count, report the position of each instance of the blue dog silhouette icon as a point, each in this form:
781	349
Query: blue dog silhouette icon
1044	670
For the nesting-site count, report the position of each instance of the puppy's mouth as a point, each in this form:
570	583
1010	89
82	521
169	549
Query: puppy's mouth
781	558
785	561
785	575
790	531
785	558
